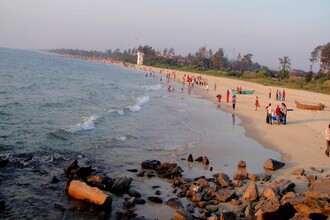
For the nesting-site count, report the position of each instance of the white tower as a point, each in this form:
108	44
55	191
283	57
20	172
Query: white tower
139	58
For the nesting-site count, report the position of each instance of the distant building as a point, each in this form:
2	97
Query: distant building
140	56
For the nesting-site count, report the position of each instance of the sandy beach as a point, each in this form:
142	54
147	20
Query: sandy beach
301	141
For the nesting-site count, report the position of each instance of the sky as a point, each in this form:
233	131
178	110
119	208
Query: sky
268	29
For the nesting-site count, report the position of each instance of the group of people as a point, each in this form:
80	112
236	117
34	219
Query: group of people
279	95
279	115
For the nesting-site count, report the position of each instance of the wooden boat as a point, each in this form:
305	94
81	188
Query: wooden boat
318	107
245	92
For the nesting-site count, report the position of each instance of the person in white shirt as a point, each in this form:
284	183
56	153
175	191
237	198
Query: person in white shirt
327	140
269	116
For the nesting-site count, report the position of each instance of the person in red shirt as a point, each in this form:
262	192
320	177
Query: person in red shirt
278	114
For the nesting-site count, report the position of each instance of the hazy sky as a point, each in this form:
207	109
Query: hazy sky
267	29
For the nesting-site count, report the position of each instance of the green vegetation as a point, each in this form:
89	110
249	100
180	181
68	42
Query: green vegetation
204	61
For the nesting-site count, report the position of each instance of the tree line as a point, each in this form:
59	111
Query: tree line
206	59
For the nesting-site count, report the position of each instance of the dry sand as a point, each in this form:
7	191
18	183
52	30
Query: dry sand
301	141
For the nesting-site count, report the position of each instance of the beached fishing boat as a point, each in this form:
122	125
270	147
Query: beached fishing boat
318	106
245	92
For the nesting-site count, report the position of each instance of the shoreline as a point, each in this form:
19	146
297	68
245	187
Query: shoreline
301	141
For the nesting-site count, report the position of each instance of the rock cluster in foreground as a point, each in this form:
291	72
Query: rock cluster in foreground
245	196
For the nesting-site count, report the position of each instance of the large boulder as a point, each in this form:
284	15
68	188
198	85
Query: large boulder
272	164
121	185
223	180
278	187
251	193
150	164
311	207
174	203
225	195
319	189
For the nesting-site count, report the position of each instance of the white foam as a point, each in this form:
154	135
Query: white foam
86	125
122	138
140	101
153	87
120	112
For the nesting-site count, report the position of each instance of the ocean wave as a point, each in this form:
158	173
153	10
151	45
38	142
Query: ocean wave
153	87
86	125
140	101
118	111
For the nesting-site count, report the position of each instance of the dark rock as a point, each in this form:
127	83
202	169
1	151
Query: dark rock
174	203
158	192
130	203
155	199
182	215
190	208
132	170
150	175
54	180
272	164
211	169
155	187
190	158
84	172
225	195
212	208
199	159
205	161
228	215
275	211
73	165
121	184
278	187
140	201
134	193
150	164
241	164
197	197
4	162
223	180
141	173
203	183
58	206
299	216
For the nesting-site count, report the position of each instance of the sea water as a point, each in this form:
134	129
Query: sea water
55	109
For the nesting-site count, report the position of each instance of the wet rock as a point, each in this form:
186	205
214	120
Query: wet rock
134	193
174	203
140	201
155	199
190	208
190	158
121	184
241	164
211	169
150	175
158	192
212	208
199	159
251	193
155	187
132	170
4	162
272	164
223	180
141	173
278	187
182	215
225	195
73	165
202	183
150	164
130	203
240	174
299	172
54	180
320	189
205	161
58	206
228	215
83	172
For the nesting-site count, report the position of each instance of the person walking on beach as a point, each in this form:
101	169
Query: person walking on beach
278	114
234	102
207	88
284	111
327	140
283	95
270	93
257	103
227	96
215	86
269	119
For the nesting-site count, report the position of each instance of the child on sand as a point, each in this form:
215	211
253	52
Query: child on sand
257	103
